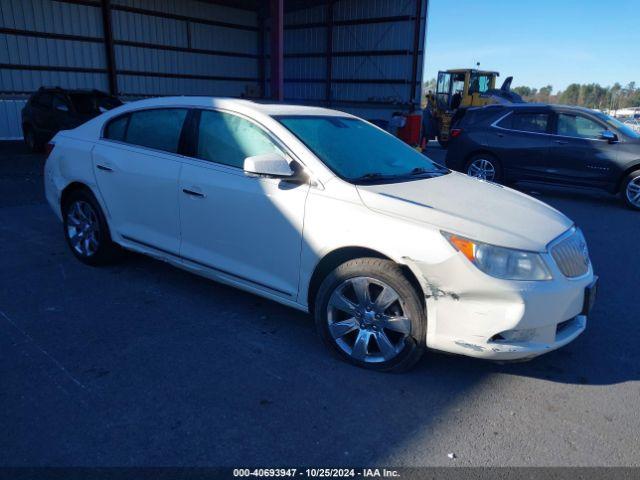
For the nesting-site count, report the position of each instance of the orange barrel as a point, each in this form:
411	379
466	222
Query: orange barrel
410	133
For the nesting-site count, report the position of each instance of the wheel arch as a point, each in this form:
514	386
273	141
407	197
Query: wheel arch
338	256
624	175
74	187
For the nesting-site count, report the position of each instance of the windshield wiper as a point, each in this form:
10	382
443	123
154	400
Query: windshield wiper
418	171
370	176
424	172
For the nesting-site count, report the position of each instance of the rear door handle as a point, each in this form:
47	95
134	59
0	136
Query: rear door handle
193	193
561	142
104	168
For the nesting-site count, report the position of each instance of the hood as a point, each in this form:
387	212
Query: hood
472	208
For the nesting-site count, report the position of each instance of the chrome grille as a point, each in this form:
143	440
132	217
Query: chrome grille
571	255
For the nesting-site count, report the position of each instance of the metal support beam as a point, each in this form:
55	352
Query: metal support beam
416	48
277	49
108	46
329	51
262	54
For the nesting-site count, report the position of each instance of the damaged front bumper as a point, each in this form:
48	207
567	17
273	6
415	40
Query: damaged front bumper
473	314
514	349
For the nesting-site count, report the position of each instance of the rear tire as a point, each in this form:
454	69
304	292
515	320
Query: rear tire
631	190
485	167
369	314
86	230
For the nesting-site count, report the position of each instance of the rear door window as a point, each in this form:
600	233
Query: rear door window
526	122
158	128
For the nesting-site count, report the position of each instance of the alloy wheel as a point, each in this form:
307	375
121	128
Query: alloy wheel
83	228
483	169
633	191
367	320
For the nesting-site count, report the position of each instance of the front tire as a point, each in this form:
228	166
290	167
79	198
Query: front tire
369	314
485	167
443	143
631	190
86	230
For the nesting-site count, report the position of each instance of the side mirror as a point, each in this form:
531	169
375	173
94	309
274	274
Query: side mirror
271	165
62	107
609	136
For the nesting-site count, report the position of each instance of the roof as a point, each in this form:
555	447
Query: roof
552	106
270	109
517	106
261	113
465	70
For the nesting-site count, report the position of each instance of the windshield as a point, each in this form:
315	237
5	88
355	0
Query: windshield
626	130
359	152
86	103
83	103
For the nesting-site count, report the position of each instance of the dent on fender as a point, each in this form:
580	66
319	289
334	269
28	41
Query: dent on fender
430	289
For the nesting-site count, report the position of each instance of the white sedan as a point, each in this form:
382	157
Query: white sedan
324	212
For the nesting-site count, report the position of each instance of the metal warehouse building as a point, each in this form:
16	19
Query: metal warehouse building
361	56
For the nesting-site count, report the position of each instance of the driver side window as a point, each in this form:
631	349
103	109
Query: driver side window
570	125
229	139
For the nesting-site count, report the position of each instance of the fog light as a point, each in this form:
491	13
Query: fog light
514	335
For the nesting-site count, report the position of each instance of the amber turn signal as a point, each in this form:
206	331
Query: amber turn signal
467	247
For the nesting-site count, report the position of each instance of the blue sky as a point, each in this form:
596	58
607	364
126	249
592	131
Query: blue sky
539	42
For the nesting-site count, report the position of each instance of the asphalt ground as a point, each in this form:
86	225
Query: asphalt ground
141	364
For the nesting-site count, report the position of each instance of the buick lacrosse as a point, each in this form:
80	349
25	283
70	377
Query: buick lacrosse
319	210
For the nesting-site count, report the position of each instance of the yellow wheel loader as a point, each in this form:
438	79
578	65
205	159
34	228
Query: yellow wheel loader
459	89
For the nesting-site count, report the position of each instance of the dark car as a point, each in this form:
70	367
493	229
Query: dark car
50	110
548	143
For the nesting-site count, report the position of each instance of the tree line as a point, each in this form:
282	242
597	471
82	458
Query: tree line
590	95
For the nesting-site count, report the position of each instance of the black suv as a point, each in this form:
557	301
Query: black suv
50	110
550	144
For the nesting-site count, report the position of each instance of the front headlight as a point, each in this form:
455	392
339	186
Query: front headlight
501	262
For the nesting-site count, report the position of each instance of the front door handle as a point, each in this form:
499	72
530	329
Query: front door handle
104	168
193	193
561	142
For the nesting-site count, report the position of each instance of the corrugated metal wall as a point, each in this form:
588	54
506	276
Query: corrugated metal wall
371	43
10	119
161	47
24	59
189	47
200	57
